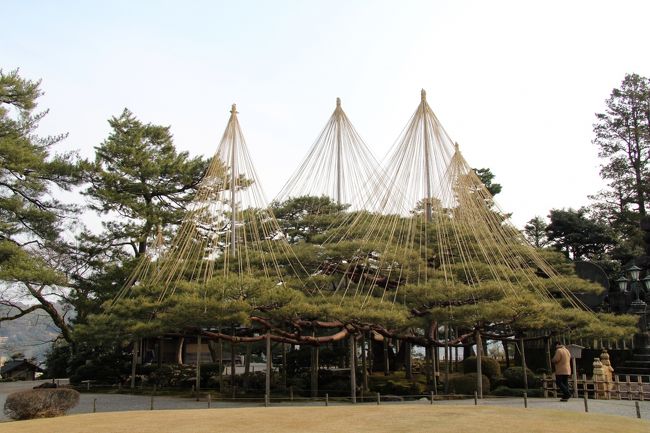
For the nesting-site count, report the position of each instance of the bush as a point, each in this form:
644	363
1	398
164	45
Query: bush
466	384
40	403
514	378
489	366
504	391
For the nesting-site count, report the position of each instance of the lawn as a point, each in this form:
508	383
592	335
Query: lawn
366	418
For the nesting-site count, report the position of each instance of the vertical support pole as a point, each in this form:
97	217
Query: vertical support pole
584	397
134	360
378	399
269	364
523	363
479	372
233	367
198	364
431	396
209	400
353	373
284	366
525	399
94	405
327	399
434	369
427	174
220	353
506	352
547	347
408	364
638	409
447	359
233	180
314	372
364	363
339	168
247	366
386	360
574	377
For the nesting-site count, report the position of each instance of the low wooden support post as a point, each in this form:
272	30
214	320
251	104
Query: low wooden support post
584	397
266	400
431	397
475	398
638	409
327	399
523	363
209	400
378	399
291	393
640	387
95	405
198	366
479	373
134	359
525	400
151	407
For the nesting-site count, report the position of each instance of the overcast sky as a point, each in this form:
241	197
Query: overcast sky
515	83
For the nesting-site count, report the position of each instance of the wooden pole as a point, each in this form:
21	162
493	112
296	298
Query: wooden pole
269	364
447	359
233	180
339	167
314	372
479	372
220	354
547	347
198	363
386	360
506	352
427	175
408	361
353	373
233	369
247	365
364	363
523	363
134	360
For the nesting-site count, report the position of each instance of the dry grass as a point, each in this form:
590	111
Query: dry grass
358	419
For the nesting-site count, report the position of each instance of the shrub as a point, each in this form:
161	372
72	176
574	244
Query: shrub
40	403
514	377
489	366
516	392
466	384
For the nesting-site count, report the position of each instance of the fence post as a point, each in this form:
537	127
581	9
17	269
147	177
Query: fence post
378	398
475	398
638	409
584	397
209	400
431	397
545	385
525	400
291	393
95	405
640	387
327	399
151	407
266	400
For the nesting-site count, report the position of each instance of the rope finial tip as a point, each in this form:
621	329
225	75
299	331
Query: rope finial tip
338	102
423	94
234	109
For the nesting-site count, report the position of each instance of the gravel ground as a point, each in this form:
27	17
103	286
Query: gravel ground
125	402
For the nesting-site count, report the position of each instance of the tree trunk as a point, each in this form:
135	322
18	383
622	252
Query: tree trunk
364	362
353	373
506	352
408	361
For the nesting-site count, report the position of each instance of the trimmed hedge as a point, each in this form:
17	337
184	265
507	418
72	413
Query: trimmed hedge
466	384
40	403
514	378
489	366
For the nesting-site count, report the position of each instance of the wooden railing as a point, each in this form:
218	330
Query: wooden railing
622	387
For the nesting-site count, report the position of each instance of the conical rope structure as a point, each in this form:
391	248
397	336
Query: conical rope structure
339	165
435	226
228	231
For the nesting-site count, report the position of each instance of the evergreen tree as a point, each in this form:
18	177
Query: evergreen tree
32	252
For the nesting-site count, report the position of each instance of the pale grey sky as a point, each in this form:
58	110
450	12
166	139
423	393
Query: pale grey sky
516	83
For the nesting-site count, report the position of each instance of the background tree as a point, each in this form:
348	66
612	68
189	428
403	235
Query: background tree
622	134
535	232
578	236
31	218
140	178
487	177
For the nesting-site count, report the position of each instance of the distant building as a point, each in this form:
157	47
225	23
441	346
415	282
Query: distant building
19	369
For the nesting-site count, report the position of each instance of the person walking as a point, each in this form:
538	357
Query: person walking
562	363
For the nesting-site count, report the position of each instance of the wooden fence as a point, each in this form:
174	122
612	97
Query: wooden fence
622	387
